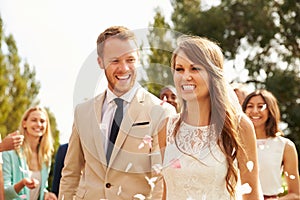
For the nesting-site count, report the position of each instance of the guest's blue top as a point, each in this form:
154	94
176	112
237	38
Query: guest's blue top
14	170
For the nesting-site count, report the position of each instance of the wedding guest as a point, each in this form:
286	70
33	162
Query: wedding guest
26	170
168	94
58	166
277	155
11	141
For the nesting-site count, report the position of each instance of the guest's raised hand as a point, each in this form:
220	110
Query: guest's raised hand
11	141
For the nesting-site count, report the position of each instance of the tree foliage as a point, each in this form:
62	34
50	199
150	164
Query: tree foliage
18	88
158	70
267	35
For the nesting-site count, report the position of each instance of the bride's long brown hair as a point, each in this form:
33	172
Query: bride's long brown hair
223	115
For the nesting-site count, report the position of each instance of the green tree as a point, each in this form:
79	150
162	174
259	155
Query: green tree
18	89
18	86
158	70
266	33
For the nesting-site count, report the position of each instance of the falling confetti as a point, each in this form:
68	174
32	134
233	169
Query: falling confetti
286	173
264	107
175	163
119	190
151	181
245	189
139	196
157	168
164	100
261	146
250	166
146	140
23	196
141	145
128	167
292	177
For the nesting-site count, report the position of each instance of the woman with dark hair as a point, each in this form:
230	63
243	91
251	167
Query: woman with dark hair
210	150
276	155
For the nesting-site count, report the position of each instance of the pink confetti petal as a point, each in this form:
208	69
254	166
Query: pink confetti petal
148	140
164	100
175	163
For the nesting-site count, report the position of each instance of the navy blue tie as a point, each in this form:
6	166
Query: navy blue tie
115	127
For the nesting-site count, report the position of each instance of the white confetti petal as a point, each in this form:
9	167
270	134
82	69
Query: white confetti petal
157	168
250	166
151	181
292	177
119	190
141	145
245	189
286	173
128	167
139	196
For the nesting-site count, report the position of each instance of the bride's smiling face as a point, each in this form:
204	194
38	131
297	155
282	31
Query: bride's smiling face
191	80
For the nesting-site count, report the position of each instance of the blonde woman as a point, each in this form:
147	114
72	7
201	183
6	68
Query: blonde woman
26	170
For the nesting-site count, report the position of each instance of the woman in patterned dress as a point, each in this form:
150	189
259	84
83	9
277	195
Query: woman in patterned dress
210	151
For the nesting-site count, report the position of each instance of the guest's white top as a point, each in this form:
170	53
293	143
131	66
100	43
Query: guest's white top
270	155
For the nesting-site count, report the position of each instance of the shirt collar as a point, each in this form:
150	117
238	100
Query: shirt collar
128	96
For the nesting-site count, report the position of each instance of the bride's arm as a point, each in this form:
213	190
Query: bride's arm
248	161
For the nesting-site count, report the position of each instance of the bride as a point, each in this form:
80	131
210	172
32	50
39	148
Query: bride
209	149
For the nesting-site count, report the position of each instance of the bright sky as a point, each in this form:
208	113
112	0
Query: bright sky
58	38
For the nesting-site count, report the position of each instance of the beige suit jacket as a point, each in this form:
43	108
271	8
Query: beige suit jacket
86	174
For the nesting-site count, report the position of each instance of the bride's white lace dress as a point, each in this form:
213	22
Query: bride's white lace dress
194	166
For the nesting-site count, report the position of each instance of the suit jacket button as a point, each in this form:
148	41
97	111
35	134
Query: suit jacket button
107	185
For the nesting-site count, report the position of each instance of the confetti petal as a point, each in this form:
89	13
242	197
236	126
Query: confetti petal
151	181
292	177
163	100
119	190
141	145
250	166
264	107
286	173
139	196
175	163
157	168
245	189
128	167
148	140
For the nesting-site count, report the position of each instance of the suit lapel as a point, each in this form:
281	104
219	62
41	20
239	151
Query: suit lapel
98	130
128	119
